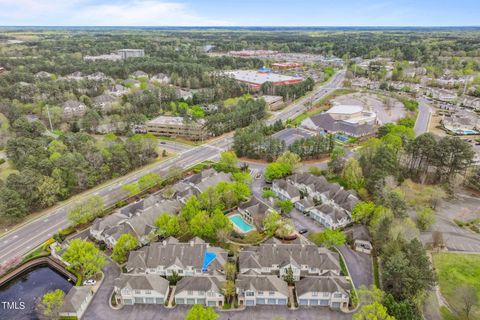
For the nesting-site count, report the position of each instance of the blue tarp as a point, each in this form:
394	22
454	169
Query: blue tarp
207	259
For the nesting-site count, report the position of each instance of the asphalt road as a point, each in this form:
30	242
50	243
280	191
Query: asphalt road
20	240
423	118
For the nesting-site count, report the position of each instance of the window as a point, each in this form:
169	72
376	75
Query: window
271	293
190	293
180	271
137	291
337	295
326	294
148	292
211	294
201	293
260	293
249	293
314	294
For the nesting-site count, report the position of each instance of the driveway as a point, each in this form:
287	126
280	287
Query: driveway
99	307
360	266
302	221
423	118
156	312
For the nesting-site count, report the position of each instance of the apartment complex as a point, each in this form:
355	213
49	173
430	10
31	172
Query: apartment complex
325	202
177	127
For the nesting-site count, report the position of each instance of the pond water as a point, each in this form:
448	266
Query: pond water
27	290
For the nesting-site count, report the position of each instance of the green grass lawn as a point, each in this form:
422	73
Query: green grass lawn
454	270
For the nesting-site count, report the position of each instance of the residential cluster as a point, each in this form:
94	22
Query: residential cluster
325	202
260	280
138	218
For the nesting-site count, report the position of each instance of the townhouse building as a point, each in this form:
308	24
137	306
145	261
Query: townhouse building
333	292
275	258
258	289
206	290
193	258
133	289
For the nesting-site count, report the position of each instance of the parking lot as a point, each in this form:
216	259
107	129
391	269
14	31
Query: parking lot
464	208
290	135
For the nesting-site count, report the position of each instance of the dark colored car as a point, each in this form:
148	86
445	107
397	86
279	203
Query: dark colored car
302	231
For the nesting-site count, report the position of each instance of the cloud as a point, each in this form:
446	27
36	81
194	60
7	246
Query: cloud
100	13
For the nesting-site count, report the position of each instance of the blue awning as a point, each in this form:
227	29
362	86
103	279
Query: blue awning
207	259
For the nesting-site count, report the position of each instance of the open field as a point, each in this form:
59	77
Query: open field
455	269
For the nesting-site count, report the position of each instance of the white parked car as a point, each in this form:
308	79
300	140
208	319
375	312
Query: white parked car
90	282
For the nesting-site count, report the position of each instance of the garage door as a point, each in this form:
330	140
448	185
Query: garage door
260	301
314	302
179	301
190	301
150	300
282	301
212	303
272	301
201	301
160	301
127	301
303	302
336	305
138	300
250	302
324	303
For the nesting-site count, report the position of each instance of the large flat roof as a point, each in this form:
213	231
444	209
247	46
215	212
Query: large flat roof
345	109
170	120
259	78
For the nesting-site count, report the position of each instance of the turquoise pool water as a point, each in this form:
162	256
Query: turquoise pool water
241	224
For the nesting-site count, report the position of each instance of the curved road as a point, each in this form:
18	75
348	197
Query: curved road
33	233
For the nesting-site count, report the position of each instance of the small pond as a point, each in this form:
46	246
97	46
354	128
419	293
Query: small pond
29	288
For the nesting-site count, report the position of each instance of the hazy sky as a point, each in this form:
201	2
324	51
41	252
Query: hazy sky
240	12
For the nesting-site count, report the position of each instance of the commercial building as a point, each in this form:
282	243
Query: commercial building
348	119
286	65
131	53
273	102
256	78
177	127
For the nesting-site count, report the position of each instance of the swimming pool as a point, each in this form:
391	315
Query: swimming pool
241	224
466	132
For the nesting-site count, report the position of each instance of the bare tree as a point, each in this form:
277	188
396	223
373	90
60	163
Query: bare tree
468	298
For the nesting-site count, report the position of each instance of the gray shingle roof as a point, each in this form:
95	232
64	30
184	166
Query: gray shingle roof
288	187
266	255
322	284
326	122
142	282
262	283
169	253
207	283
74	299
